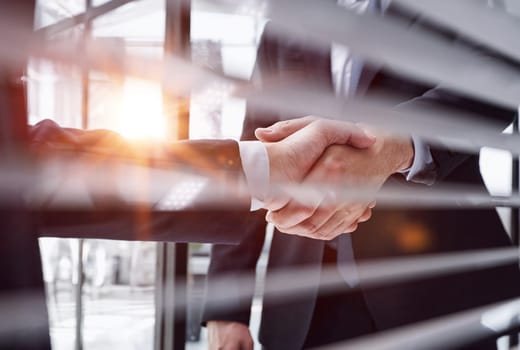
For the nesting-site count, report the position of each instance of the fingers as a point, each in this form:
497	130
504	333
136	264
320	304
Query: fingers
338	225
327	131
307	149
280	130
367	214
346	228
293	212
292	220
320	223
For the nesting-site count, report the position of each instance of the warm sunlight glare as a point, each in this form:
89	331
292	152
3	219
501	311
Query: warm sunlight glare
142	110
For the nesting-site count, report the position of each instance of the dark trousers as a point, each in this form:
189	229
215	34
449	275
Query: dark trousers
342	316
339	316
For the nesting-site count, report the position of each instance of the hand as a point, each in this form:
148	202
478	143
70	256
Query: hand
340	165
297	144
226	335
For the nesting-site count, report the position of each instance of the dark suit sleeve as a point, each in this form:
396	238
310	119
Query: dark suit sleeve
113	218
411	93
446	160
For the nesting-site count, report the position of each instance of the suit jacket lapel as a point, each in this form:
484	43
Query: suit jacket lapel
362	73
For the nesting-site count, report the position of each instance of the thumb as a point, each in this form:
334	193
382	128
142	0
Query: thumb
336	132
280	130
291	158
324	132
304	147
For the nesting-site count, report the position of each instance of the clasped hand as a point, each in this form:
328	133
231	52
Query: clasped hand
313	152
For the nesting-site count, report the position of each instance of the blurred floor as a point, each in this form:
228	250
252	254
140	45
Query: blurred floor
120	319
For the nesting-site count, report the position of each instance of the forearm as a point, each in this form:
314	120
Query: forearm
217	158
410	93
118	188
445	160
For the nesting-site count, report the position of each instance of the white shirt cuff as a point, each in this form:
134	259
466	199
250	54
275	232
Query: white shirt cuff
422	163
255	163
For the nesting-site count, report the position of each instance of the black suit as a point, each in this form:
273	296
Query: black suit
389	233
220	159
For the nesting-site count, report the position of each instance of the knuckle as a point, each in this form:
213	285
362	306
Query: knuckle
322	127
322	235
285	230
329	237
303	212
319	124
333	161
277	218
346	214
365	216
334	234
308	227
351	228
284	125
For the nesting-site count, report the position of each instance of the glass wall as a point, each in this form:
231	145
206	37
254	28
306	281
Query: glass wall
119	277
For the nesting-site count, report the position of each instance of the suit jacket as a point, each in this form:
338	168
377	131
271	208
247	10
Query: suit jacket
389	233
112	218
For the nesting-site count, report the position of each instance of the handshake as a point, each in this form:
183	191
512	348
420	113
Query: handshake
302	154
311	152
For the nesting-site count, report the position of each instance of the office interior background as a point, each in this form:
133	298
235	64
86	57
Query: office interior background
115	283
118	292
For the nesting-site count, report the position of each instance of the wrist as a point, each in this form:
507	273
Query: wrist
407	152
279	163
272	159
399	152
277	176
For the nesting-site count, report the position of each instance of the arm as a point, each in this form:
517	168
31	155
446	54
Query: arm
447	161
118	217
324	221
410	93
